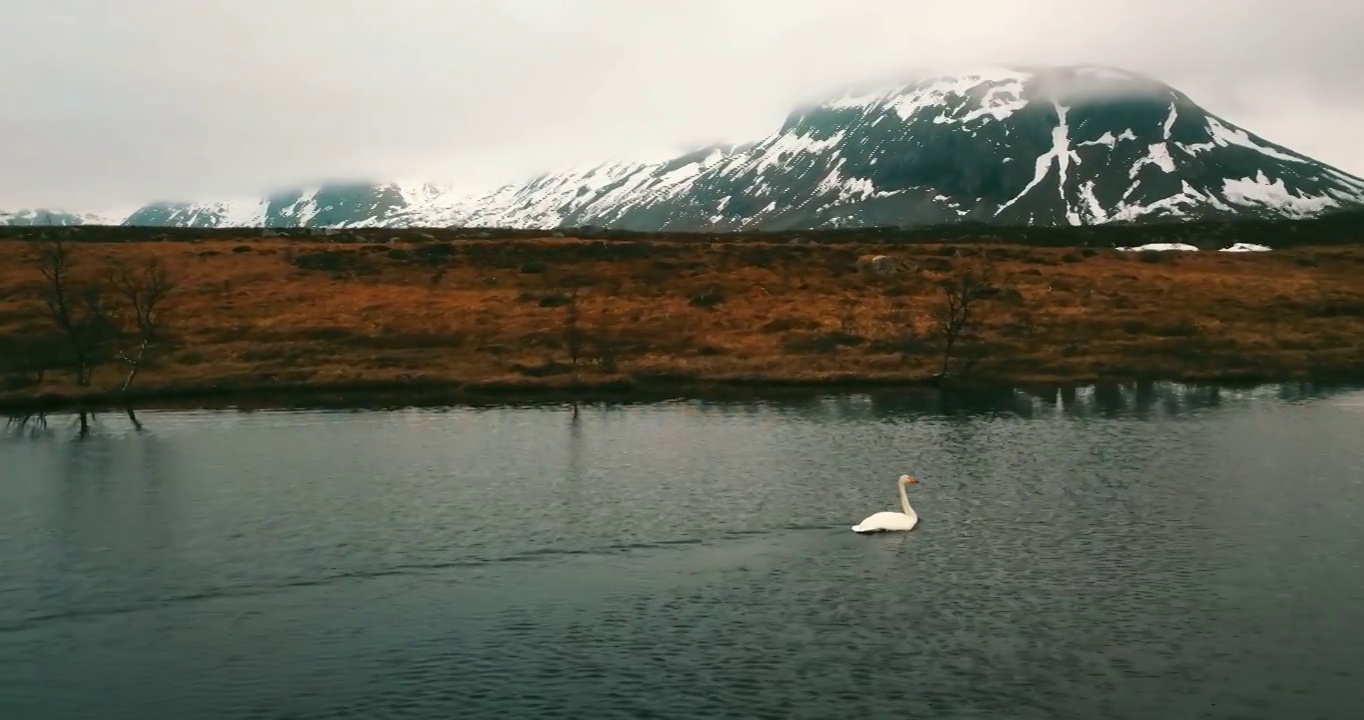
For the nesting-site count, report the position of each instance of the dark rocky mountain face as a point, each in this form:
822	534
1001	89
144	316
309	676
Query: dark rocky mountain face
1026	146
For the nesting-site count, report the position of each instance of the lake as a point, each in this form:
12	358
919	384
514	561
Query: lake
1136	551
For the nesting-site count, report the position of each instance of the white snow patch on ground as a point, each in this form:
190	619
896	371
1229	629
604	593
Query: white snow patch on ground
1246	247
1170	122
1162	246
1261	191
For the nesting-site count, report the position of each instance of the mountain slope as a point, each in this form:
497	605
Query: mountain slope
1046	147
1036	146
45	217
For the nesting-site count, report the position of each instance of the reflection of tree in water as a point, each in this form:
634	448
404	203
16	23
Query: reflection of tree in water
32	424
115	502
567	486
1140	400
38	423
1151	399
956	403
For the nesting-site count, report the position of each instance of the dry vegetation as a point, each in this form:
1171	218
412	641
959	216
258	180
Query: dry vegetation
252	313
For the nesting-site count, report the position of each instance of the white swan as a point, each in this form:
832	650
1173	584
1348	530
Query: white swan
884	521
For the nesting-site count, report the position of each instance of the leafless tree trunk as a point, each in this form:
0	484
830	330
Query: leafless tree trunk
573	337
78	309
143	290
972	282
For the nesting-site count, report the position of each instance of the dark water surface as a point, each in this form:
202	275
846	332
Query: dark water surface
1152	552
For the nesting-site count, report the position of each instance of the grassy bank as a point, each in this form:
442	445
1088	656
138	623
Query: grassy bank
486	317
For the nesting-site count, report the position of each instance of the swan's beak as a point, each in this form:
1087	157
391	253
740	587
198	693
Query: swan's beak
909	479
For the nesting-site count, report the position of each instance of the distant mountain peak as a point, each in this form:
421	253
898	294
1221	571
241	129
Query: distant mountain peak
1068	145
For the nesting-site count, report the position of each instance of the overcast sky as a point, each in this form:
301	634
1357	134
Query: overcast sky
109	103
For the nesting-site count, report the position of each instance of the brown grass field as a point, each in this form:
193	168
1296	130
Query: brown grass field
262	315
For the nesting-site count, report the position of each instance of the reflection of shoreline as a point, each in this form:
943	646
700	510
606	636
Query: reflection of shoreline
1104	398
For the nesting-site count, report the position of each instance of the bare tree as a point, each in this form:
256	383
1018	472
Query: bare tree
143	290
573	339
97	314
573	336
957	316
77	308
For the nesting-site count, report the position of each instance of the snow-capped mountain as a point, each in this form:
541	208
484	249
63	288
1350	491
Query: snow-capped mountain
329	206
1040	146
57	217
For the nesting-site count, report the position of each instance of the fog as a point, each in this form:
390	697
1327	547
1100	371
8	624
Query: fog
113	103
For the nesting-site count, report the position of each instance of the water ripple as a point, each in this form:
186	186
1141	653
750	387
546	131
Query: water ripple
692	560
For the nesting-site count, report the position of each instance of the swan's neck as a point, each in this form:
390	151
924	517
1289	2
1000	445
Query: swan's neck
904	501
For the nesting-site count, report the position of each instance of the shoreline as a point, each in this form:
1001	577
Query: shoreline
272	322
377	394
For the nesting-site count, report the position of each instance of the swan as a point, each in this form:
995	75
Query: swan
884	521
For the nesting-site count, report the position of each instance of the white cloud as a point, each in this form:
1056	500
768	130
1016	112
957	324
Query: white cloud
111	102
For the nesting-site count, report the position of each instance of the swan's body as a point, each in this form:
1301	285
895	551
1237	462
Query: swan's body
892	521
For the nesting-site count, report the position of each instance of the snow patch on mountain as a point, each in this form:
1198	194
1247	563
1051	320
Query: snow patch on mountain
1108	140
849	189
1181	204
1262	191
908	101
1157	154
1060	154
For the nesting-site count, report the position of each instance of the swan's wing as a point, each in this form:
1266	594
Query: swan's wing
883	521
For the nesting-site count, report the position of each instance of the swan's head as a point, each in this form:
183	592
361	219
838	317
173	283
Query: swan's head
907	479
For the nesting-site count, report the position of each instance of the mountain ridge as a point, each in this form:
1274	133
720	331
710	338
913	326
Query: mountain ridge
1071	145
